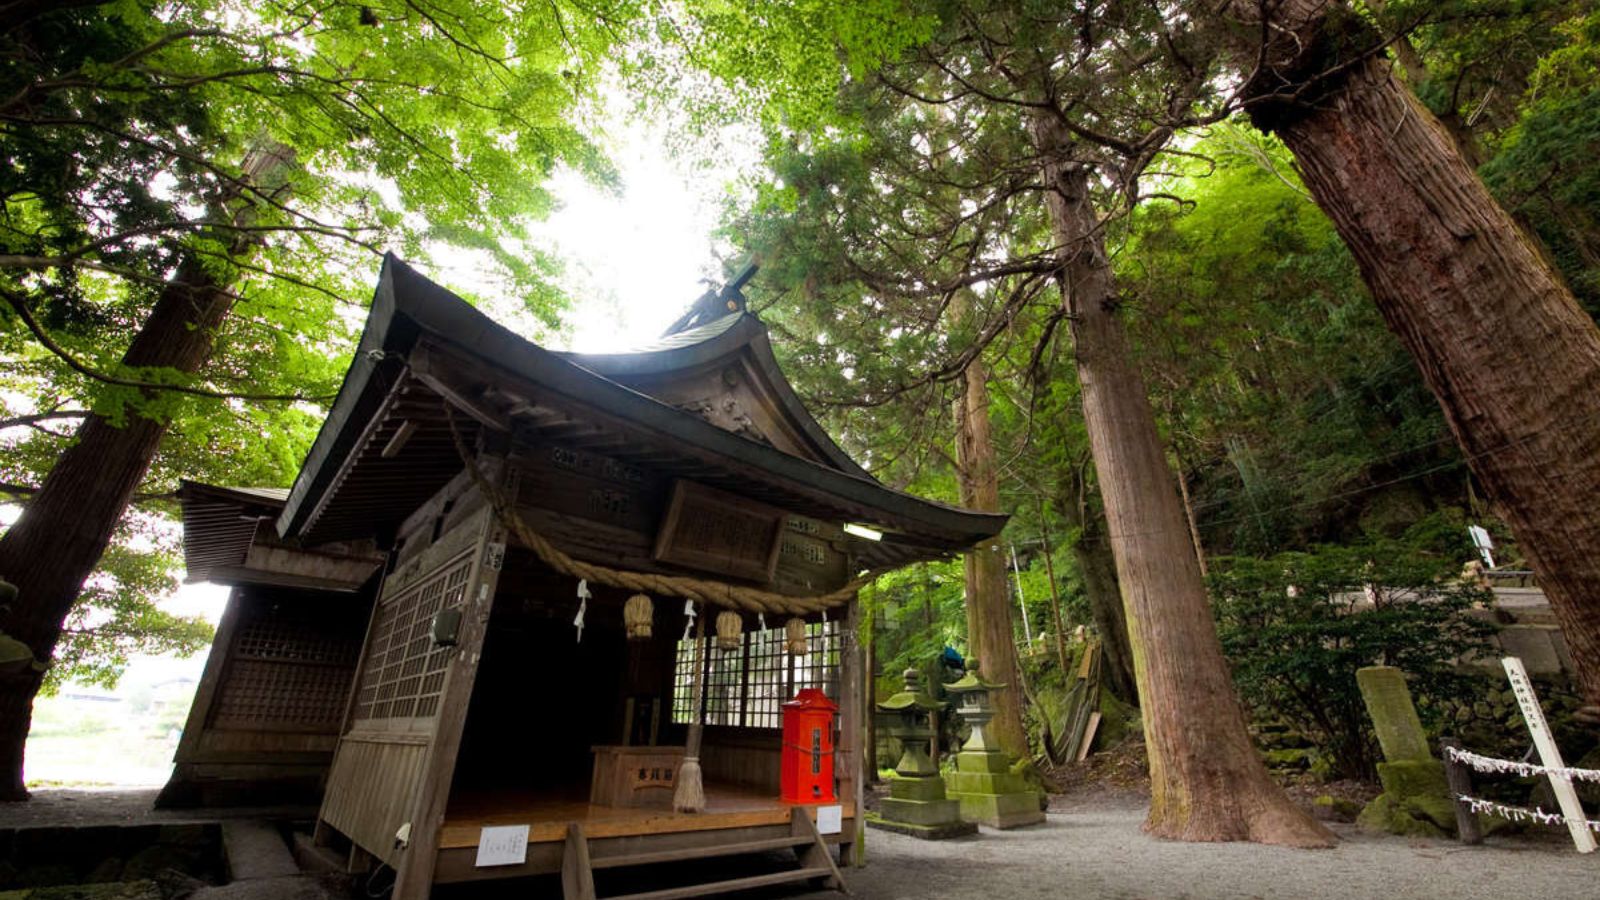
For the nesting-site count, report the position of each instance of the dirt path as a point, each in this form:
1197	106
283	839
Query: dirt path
1100	853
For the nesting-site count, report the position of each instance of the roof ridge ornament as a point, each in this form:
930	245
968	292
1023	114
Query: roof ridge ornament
714	303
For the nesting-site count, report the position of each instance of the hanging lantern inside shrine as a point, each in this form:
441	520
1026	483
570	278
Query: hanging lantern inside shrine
637	614
794	633
729	626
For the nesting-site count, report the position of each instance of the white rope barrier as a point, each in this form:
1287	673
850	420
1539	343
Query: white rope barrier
1490	765
1521	814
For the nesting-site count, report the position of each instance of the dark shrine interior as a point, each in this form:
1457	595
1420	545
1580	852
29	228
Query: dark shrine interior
543	697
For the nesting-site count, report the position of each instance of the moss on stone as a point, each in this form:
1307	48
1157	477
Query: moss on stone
1403	817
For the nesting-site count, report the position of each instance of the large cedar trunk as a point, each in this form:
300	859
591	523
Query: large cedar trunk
1500	340
1207	781
989	626
60	536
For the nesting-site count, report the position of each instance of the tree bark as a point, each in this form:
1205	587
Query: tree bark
58	540
1500	340
989	627
1207	781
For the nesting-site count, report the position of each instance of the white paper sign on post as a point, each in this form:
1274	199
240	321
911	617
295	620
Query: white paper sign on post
1549	754
830	819
502	845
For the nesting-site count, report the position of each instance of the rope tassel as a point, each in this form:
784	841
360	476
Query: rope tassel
690	794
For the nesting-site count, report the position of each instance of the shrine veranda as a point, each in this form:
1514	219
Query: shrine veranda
402	636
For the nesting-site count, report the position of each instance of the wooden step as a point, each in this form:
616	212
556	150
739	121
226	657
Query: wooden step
732	884
643	859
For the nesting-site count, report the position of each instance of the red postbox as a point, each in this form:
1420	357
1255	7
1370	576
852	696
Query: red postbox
807	763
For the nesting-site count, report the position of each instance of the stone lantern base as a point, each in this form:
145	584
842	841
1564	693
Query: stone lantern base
990	793
918	807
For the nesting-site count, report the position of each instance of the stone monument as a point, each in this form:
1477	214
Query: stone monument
1416	797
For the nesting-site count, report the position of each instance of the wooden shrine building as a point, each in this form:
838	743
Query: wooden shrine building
485	482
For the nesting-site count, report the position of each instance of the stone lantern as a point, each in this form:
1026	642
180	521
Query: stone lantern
972	693
916	804
912	726
983	783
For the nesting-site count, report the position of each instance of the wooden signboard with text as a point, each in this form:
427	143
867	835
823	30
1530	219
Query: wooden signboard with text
715	531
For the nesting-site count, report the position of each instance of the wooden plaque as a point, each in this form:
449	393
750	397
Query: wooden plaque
716	531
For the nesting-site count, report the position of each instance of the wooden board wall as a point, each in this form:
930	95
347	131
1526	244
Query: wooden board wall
266	716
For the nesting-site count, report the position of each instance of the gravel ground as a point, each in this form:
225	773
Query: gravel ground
1091	847
1101	853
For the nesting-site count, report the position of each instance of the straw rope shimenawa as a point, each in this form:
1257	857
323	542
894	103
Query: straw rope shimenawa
698	589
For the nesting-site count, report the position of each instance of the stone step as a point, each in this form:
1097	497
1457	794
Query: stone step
256	849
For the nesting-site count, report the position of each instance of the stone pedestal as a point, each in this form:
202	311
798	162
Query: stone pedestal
983	783
990	793
917	806
1416	797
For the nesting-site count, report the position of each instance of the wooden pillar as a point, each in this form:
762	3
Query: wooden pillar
414	870
852	714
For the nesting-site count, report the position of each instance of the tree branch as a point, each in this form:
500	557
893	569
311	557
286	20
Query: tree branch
17	303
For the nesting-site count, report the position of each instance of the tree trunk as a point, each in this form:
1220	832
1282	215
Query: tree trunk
1098	569
1207	781
1500	340
58	540
989	628
1055	593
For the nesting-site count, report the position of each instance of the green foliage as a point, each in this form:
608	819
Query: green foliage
915	613
132	133
1299	416
1297	626
1548	168
117	617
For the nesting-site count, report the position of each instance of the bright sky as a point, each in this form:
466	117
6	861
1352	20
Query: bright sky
635	260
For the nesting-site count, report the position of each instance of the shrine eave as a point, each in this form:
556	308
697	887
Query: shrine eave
412	317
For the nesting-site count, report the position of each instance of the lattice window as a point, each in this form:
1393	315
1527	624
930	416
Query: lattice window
748	688
288	668
767	687
404	673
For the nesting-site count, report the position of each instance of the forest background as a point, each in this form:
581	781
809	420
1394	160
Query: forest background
1309	452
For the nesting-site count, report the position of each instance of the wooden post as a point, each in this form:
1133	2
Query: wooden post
852	709
1460	783
1549	755
869	720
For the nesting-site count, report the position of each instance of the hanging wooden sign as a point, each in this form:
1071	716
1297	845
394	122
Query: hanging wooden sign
716	531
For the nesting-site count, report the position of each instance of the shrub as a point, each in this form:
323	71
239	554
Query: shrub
1297	626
